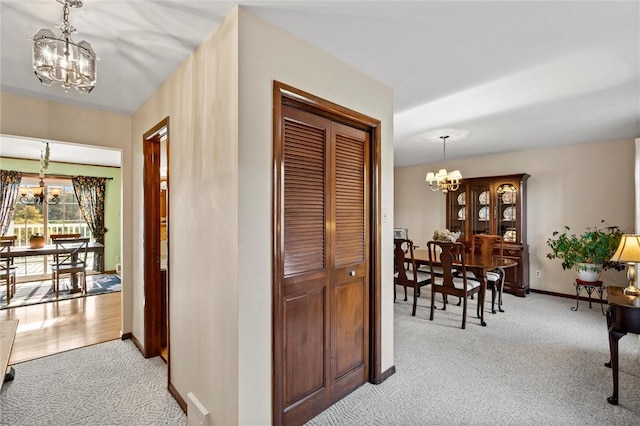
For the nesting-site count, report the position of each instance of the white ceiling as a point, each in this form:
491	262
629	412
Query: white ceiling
516	75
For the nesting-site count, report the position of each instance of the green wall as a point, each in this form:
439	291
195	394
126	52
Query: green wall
113	196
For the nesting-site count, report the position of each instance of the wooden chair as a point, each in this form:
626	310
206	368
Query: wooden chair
7	270
406	273
70	258
485	245
450	284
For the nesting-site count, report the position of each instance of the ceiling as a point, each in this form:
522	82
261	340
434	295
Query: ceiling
515	75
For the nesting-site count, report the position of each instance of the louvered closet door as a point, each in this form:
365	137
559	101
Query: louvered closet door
324	286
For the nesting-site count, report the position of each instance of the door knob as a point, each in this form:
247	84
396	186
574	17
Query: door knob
352	273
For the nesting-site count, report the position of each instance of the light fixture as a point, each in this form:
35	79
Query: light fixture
62	60
38	195
629	251
442	180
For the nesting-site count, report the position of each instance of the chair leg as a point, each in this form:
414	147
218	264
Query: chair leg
415	299
84	282
433	301
405	293
493	297
394	293
464	313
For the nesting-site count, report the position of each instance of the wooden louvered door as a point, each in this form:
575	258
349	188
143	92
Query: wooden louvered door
321	330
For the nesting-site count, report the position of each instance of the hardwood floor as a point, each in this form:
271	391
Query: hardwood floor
53	327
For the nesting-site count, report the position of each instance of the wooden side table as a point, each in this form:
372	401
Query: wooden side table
589	286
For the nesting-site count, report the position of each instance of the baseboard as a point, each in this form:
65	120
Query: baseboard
181	402
384	375
595	299
137	343
113	271
126	336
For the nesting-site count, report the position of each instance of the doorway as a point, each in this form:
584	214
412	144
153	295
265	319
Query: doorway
156	241
326	278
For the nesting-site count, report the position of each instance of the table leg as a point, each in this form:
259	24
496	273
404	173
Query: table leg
614	336
483	291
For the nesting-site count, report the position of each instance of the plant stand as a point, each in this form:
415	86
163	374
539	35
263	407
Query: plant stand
589	286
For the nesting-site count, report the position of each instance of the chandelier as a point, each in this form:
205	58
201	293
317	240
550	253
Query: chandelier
442	180
62	60
38	195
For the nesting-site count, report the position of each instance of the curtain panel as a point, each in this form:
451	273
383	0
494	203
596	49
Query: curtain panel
90	193
9	187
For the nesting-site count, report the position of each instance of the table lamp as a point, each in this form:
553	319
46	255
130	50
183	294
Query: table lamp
629	251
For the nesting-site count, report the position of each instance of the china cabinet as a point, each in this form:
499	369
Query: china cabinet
495	205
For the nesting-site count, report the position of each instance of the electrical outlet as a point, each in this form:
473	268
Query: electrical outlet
538	274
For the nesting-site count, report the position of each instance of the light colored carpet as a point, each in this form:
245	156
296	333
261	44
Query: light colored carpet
538	363
106	384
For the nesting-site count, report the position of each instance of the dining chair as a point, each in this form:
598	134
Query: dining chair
7	270
55	237
406	274
70	258
450	257
485	245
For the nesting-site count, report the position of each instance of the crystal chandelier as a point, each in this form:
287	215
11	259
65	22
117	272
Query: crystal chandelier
38	195
62	60
443	181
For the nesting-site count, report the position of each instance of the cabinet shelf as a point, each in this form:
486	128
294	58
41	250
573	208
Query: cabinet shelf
495	205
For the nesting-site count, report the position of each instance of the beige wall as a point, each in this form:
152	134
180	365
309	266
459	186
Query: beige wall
40	119
220	108
266	54
200	99
577	186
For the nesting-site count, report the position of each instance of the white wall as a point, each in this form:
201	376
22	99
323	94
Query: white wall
577	186
220	109
40	119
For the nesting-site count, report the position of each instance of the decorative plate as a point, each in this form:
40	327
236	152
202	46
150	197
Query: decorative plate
509	213
484	197
483	214
461	199
510	236
462	213
509	197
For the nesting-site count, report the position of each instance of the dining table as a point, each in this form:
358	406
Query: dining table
475	263
47	250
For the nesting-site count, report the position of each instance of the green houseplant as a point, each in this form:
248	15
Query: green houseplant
589	252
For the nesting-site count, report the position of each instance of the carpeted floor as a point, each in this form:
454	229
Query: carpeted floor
106	384
32	293
538	363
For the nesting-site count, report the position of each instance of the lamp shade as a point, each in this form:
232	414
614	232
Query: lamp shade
628	250
455	175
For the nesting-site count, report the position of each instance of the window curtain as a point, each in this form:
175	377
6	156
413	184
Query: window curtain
89	192
9	187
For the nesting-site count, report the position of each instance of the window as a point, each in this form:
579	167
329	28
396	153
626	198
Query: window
62	218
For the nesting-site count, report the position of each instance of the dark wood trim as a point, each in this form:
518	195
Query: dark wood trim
386	374
50	176
136	342
284	94
568	296
126	336
152	281
181	402
63	162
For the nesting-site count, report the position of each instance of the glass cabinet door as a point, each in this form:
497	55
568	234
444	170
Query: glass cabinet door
479	206
457	211
507	220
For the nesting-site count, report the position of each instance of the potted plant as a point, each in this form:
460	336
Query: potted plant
36	240
589	253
